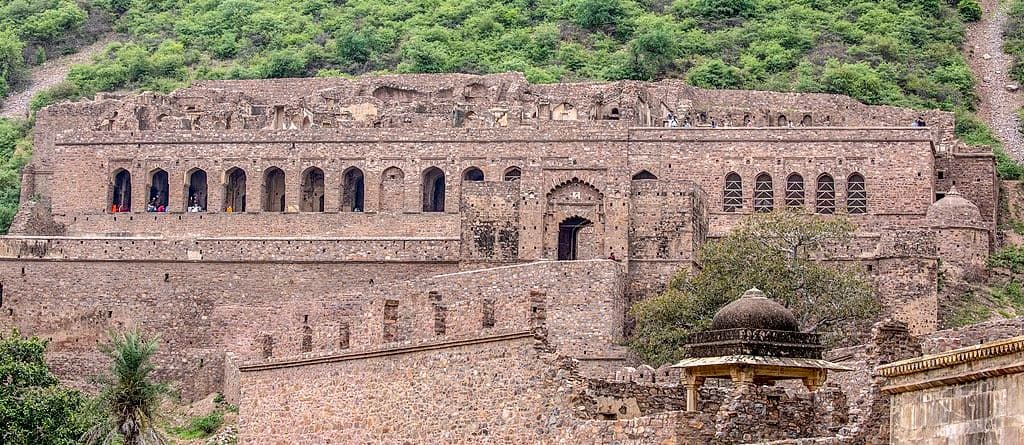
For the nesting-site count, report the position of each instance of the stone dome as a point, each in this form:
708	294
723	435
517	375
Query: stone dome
953	210
754	311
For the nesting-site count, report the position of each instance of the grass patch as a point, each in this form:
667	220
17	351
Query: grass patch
200	427
970	312
1010	258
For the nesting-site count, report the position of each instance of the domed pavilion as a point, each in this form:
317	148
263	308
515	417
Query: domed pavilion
753	341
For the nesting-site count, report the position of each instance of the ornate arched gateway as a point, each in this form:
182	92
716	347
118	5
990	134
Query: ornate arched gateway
574	222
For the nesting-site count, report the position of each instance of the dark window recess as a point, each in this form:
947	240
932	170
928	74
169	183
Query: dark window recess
343	336
488	314
390	320
307	338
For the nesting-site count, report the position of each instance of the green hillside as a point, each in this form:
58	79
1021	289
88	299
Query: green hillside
879	51
903	53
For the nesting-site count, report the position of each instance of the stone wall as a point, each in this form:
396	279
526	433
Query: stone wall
964	396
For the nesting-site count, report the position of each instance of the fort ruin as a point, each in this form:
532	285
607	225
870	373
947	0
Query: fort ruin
383	227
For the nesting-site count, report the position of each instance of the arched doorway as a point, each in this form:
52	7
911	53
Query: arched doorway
121	191
569	237
352	190
158	188
574	222
312	190
273	190
195	190
433	190
234	190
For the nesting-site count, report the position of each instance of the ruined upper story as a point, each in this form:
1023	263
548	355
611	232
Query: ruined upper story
423	101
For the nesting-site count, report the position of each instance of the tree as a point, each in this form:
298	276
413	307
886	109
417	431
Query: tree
130	398
783	253
34	408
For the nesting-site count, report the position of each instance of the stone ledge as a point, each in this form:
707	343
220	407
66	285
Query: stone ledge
384	352
951	358
953	380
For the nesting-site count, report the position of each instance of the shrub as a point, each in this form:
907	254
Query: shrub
714	73
970	10
200	427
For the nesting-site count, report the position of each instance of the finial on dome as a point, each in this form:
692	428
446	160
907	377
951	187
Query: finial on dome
753	293
952	191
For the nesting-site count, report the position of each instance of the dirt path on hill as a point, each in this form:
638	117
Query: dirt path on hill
47	75
991	66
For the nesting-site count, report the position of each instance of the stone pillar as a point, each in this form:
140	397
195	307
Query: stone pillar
692	384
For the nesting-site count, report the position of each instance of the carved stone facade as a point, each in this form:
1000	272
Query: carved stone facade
314	216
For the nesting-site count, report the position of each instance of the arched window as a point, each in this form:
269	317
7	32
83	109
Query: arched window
733	195
392	190
513	174
795	190
433	190
825	196
273	190
782	121
352	189
806	121
644	174
764	199
856	195
234	190
312	190
121	193
196	190
158	188
473	174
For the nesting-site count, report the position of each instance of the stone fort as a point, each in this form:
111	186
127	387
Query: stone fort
408	234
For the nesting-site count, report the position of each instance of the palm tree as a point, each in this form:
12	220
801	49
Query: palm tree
129	397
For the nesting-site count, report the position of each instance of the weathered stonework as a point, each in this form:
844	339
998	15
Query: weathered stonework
390	210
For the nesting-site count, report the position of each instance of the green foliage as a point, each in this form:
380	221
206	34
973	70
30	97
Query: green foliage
200	427
712	9
34	408
876	50
969	311
60	92
130	398
714	73
773	253
1010	258
15	151
970	10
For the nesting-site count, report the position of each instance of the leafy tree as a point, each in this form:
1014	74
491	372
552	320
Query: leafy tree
11	59
859	80
780	253
599	14
130	398
34	408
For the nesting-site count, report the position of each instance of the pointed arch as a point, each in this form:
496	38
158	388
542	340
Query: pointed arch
732	197
825	195
795	190
643	175
513	174
311	198
392	190
433	190
352	190
234	190
196	190
121	190
273	190
473	174
159	188
856	195
764	193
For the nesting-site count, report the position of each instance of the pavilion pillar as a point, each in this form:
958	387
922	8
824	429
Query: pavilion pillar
692	384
